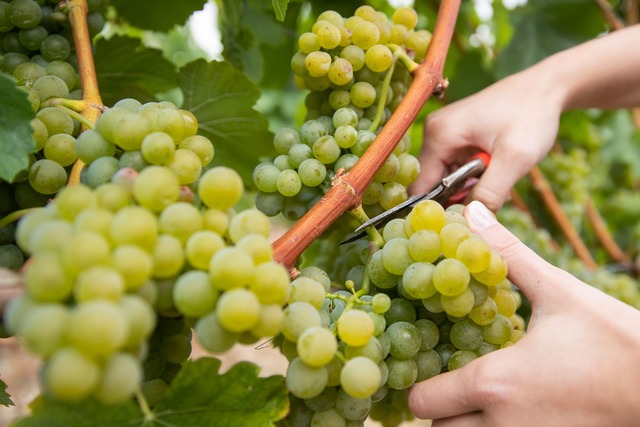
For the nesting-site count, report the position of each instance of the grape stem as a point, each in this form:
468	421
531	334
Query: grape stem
383	97
144	406
347	190
77	116
87	70
16	215
73	104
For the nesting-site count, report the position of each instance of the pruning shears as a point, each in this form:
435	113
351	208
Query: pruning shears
451	189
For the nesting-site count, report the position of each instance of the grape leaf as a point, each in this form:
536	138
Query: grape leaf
222	100
199	396
280	8
16	142
5	398
544	27
157	15
126	69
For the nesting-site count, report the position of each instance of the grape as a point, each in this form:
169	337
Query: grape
318	63
362	94
461	358
129	132
429	364
365	35
485	313
212	336
181	220
120	378
466	335
308	42
505	302
11	257
23	13
101	171
60	149
270	283
220	187
155	188
135	225
405	340
157	147
298	317
250	221
47	176
201	146
378	58
395	256
402	373
98	282
304	381
360	377
355	327
230	268
340	72
97	328
55	48
168	256
458	305
352	408
140	319
69	375
316	346
417	280
326	149
288	183
27	73
42	328
201	246
257	246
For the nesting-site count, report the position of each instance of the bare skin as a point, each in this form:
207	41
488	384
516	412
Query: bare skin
578	365
516	119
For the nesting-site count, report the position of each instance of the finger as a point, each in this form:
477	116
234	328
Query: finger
494	186
445	395
472	419
526	269
432	169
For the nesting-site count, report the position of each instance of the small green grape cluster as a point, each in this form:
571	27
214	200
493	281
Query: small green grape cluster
135	135
39	32
344	62
433	298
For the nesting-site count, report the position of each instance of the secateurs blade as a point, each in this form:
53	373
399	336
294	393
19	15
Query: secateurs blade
450	189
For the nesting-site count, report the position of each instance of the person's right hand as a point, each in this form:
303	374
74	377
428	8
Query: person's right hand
515	120
578	364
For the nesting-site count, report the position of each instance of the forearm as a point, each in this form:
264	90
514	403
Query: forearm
602	73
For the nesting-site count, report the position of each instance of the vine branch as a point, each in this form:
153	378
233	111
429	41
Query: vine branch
347	191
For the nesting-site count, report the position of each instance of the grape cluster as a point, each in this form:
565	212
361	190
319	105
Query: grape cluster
433	298
120	273
348	64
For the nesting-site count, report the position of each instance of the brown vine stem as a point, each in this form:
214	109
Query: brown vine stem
86	69
604	237
542	186
347	190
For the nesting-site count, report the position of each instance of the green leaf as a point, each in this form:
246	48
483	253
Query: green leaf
222	100
5	398
544	27
16	142
199	396
126	69
157	15
280	8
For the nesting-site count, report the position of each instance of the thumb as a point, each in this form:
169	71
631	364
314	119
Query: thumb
526	269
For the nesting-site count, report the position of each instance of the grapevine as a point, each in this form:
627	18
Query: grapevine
141	218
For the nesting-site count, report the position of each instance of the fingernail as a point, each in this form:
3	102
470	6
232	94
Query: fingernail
479	215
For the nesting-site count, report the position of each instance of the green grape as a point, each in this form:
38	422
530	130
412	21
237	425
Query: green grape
395	256
352	408
419	42
257	246
312	172
55	48
417	280
23	13
69	375
220	187
328	34
212	336
98	282
97	328
27	73
451	277
389	169
381	303
265	176
474	253
201	246
378	274
345	117
120	379
402	373
429	364
106	123
405	16
360	377
49	87
298	154
5	24
181	220
340	72
506	302
318	63
372	194
378	58
304	381
153	390
461	358
316	346
168	256
42	328
409	169
101	171
323	401
372	350
201	146
458	305
94	219
405	340
40	133
451	236
393	194
428	332
362	94
486	348
131	129
11	60
91	145
311	130
485	313
11	257
270	321
55	120
60	149
298	317
307	290
193	294
134	225
230	268
345	136
424	245
365	35
215	220
355	327
49	236
140	319
249	221
165	117
186	165
47	176
112	196
176	348
288	183
156	187
298	66
355	55
83	250
64	71
157	147
345	162
308	42
326	149
466	335
285	138
427	215
495	273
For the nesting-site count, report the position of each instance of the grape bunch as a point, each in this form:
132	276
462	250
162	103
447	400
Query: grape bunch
433	298
120	272
349	66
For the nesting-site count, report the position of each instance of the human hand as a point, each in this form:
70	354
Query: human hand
578	364
515	120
